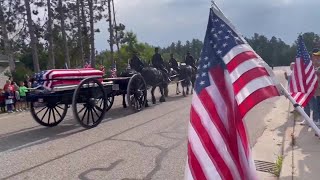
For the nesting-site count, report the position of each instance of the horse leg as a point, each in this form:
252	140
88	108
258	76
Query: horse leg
152	94
147	104
183	92
177	89
124	104
192	87
166	90
162	98
187	89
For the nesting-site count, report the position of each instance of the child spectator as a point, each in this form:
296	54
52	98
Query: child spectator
16	99
14	87
22	91
8	83
8	88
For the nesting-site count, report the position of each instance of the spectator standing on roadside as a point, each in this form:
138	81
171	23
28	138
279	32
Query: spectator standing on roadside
22	91
2	101
9	98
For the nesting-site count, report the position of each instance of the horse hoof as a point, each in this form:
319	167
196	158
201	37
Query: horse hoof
147	105
162	100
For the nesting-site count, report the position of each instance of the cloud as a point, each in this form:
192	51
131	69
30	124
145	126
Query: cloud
160	22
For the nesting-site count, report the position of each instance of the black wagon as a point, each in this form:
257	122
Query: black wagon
90	99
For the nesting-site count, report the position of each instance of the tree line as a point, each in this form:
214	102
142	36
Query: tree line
274	50
46	34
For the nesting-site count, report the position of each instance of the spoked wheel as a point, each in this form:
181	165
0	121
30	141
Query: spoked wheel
48	114
89	103
137	92
110	100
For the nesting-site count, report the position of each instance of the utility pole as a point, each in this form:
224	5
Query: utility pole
115	25
111	31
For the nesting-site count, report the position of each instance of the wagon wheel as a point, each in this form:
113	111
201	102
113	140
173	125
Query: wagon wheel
89	103
137	92
110	100
48	114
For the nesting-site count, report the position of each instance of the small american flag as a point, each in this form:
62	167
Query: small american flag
62	77
304	80
114	70
87	65
231	80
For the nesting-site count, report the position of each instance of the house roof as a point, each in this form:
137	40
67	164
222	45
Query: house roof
4	59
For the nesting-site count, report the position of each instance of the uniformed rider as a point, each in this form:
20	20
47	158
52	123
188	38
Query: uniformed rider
190	61
136	63
173	63
157	62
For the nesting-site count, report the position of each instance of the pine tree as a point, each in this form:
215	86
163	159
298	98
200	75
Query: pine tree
50	36
4	33
34	40
62	10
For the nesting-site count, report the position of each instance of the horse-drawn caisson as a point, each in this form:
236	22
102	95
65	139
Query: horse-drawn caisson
84	90
90	95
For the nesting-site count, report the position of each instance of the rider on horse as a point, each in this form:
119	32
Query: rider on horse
173	63
158	63
190	61
136	63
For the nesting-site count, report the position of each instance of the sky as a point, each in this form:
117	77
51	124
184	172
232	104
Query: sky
161	22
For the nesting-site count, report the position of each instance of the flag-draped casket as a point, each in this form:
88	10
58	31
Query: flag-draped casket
49	79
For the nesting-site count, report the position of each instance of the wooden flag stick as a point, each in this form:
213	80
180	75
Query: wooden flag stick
300	110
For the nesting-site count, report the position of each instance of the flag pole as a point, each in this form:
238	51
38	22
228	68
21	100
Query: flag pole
280	87
300	110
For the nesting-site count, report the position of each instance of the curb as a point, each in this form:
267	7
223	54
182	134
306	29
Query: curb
287	170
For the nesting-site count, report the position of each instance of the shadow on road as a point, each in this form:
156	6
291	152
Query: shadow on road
36	135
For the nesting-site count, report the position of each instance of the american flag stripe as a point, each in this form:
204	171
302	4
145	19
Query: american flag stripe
208	168
299	76
208	143
216	135
253	86
310	77
247	77
227	99
114	71
304	80
231	80
248	66
257	97
247	74
196	169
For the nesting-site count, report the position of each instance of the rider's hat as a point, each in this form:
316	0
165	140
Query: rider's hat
316	52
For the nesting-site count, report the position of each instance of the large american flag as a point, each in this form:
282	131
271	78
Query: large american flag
304	80
49	79
231	80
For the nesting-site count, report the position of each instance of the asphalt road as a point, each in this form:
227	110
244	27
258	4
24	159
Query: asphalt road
151	144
